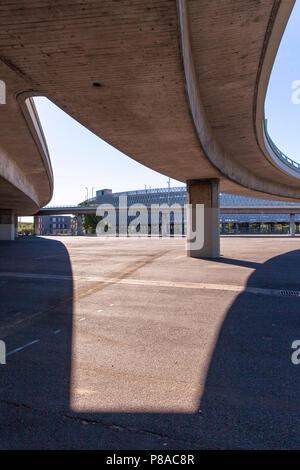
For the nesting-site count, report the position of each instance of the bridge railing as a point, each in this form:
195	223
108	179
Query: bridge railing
287	160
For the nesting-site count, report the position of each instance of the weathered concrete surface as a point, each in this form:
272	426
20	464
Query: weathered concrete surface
26	179
7	225
134	354
203	235
117	67
228	52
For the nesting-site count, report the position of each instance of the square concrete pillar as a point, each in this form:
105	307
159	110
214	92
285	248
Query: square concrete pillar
7	224
79	225
292	225
205	223
16	226
36	225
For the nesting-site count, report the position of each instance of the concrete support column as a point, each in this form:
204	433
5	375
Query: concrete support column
7	225
79	225
36	225
164	226
16	226
292	225
206	193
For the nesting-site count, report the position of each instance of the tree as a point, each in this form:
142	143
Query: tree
90	221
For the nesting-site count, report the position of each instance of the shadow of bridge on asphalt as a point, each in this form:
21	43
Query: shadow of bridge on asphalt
250	398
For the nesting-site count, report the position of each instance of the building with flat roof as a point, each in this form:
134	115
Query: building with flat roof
229	223
55	225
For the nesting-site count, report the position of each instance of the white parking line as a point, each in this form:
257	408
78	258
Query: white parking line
22	347
156	283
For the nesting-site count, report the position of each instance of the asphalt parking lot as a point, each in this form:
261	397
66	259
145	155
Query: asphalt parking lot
129	344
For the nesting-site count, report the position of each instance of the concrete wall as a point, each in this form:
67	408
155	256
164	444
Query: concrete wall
117	69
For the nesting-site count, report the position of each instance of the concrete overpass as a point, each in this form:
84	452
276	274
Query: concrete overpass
178	86
259	209
26	179
79	211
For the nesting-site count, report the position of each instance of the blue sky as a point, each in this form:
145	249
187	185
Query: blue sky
80	159
282	114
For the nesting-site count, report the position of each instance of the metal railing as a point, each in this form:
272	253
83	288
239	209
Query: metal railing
284	158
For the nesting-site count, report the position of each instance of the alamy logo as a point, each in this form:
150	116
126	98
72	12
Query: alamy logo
296	94
2	352
295	357
2	92
154	220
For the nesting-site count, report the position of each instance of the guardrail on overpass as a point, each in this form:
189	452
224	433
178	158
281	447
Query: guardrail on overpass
265	209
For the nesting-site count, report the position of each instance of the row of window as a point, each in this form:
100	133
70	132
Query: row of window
58	225
57	219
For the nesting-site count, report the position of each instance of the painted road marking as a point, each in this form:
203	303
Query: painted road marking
36	276
288	293
22	347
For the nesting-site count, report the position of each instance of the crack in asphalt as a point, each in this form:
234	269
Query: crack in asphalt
111	426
